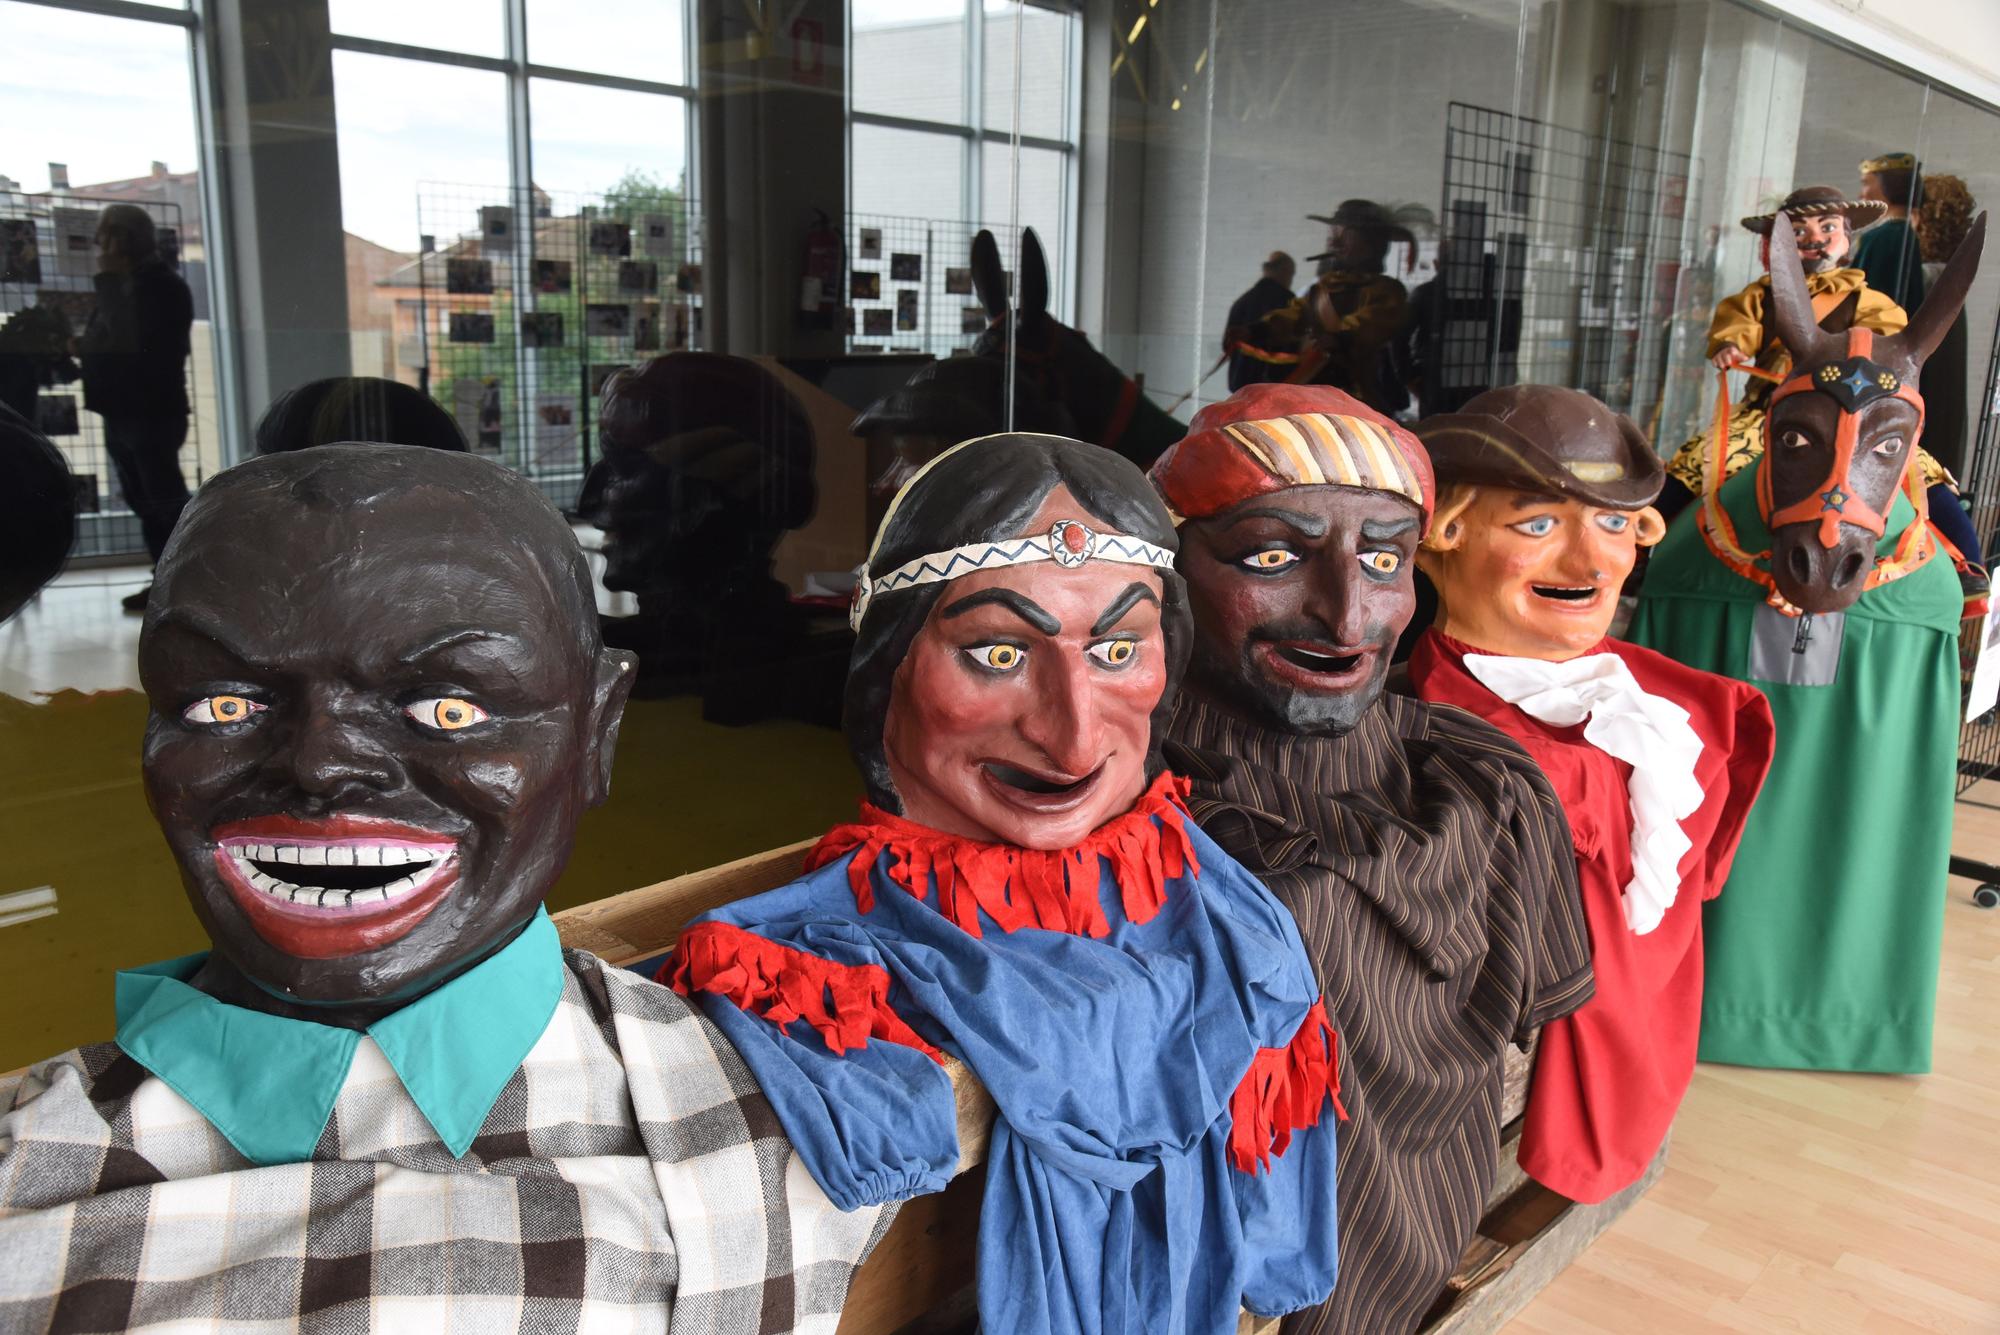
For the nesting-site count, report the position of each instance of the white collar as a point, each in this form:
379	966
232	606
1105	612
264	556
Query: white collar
1623	720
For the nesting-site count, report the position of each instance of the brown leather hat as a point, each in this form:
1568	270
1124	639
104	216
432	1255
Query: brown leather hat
1548	439
1809	200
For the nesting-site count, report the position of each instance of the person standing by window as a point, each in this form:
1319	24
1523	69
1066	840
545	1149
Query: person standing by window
1887	252
134	353
1942	220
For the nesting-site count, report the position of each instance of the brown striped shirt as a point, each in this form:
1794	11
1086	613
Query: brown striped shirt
1429	866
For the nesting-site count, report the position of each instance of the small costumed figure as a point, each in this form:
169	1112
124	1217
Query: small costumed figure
1741	338
1545	497
1815	577
1425	857
1025	891
1337	332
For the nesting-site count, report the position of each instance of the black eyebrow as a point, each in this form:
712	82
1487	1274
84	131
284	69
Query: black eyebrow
1024	608
191	622
1376	530
1134	594
450	639
1310	525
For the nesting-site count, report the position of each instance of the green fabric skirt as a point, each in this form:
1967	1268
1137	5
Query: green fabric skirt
1822	950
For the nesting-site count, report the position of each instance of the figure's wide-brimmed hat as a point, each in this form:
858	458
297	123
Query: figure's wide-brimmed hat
1363	215
1813	200
1547	439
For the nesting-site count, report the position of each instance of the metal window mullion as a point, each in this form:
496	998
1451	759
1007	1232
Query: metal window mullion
521	193
122	9
972	188
910	123
231	410
372	46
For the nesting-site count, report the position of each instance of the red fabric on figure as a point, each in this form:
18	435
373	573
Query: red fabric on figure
1610	1077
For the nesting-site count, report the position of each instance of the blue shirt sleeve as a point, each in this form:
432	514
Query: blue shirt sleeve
874	1123
1290	1225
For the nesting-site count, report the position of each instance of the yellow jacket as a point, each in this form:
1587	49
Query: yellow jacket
1739	320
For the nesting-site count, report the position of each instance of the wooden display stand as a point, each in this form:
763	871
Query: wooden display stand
918	1279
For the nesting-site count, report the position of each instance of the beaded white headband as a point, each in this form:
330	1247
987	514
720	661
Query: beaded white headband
1069	543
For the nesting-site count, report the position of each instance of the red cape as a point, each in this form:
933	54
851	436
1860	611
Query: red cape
1609	1078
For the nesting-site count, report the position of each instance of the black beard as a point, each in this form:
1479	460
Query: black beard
1237	681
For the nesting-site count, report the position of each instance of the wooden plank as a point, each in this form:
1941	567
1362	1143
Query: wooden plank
924	1263
629	927
1540	1234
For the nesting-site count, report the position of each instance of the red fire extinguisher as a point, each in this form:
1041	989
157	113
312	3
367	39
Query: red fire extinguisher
819	288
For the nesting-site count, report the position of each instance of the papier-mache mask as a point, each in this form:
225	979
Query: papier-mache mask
1300	509
380	703
1020	631
1841	436
1545	499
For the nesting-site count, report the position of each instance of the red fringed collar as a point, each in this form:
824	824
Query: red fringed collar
1054	889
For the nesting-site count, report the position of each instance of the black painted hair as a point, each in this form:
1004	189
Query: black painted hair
984	491
356	408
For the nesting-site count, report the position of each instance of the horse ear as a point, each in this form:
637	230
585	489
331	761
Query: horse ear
1791	303
1932	321
989	280
1034	275
1841	318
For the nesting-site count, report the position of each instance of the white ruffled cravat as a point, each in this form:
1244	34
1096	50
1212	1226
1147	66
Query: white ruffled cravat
1651	735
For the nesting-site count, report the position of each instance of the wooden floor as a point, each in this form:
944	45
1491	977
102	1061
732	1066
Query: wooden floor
1825	1203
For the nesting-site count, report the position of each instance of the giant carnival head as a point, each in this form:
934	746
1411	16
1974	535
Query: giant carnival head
1545	497
1823	223
708	460
1020	633
1842	437
1300	510
379	704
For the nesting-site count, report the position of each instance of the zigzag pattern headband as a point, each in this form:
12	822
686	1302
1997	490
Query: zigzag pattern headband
1069	543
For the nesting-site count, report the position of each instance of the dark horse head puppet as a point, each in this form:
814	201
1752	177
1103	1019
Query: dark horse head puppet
1107	405
1842	435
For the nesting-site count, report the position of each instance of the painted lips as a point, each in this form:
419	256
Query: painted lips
1316	665
320	889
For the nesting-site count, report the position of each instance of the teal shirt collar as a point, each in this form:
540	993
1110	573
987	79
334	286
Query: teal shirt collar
268	1083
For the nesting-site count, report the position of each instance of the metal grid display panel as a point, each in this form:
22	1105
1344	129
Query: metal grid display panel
1563	259
47	293
523	318
909	283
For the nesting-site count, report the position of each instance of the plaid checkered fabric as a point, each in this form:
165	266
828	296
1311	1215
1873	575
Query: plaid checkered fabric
631	1176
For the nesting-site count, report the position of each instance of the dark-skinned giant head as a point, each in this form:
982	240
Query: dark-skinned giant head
1300	509
1842	434
380	703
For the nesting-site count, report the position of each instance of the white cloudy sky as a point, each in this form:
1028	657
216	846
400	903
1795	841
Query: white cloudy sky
110	96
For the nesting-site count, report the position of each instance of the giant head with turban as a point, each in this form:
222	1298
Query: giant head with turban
1299	511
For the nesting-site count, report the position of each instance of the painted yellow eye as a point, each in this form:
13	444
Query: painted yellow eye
1114	653
1271	558
446	713
1383	563
216	709
997	657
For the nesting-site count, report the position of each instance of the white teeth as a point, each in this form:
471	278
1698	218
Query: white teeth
361	898
423	864
340	857
368	856
312	855
287	853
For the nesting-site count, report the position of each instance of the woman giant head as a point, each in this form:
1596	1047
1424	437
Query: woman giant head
1021	633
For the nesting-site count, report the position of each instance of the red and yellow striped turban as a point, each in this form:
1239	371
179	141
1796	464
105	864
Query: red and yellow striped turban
1266	438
